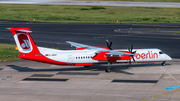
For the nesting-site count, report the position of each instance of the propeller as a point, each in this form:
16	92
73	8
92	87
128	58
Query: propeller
109	44
131	50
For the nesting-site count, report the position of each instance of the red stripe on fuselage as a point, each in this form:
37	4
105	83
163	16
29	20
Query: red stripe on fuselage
41	58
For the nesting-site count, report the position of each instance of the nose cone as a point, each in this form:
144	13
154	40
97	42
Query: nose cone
168	58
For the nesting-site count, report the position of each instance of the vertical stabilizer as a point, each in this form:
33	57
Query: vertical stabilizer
24	42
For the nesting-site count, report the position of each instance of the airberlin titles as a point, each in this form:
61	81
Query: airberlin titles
147	55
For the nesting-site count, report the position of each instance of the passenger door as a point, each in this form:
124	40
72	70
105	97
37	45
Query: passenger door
70	59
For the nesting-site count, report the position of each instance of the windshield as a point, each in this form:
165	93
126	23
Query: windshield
161	52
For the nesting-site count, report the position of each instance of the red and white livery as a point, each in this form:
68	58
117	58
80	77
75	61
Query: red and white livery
84	54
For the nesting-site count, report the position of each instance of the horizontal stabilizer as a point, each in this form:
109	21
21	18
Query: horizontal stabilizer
27	30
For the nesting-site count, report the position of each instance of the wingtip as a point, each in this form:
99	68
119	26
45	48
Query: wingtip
27	31
8	28
67	41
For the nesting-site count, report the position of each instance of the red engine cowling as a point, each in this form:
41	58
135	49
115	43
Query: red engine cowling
102	56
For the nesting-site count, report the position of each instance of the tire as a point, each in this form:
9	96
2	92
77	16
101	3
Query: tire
107	70
163	64
86	66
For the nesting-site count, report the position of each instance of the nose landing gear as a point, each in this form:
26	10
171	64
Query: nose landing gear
164	63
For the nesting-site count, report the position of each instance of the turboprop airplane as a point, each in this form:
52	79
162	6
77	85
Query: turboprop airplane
84	55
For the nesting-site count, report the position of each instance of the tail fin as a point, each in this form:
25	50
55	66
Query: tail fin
24	42
27	47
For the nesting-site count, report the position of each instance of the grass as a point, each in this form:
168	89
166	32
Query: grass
8	53
89	14
136	0
167	31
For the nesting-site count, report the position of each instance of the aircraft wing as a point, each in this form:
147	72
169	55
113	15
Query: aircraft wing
111	52
79	45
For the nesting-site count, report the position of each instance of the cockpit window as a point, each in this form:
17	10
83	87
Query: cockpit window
161	52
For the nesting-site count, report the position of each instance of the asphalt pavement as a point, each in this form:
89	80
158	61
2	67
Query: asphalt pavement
34	81
54	35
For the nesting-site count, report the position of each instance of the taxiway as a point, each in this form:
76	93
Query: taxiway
54	35
33	81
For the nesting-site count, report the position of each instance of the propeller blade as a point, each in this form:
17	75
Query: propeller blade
109	44
131	48
134	52
133	58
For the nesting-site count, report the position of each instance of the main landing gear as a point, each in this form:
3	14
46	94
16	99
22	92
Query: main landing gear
86	66
164	63
108	69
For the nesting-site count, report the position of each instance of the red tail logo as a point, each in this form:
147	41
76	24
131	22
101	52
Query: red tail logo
24	41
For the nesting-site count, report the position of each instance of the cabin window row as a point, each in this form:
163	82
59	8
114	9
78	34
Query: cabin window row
84	57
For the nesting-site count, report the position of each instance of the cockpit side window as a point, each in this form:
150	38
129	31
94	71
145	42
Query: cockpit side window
161	52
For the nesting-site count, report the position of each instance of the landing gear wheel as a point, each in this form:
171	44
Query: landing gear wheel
163	64
108	70
86	66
